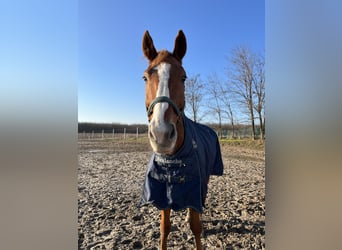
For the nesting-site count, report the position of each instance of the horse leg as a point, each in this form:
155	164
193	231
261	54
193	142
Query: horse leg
187	217
196	227
165	227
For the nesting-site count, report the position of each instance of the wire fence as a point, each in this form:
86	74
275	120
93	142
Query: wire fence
125	134
118	134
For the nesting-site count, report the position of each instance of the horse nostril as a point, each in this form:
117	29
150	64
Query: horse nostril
172	133
151	135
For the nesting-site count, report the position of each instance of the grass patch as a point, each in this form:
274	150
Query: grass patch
254	144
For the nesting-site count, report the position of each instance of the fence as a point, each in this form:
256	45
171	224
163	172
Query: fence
123	134
239	133
119	134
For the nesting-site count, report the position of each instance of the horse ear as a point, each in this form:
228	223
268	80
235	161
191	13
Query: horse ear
148	47
180	46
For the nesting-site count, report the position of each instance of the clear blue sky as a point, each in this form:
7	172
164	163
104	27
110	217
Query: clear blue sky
111	63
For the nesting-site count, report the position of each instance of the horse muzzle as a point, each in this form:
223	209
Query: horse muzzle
162	137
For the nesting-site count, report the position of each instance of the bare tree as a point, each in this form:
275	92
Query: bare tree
241	76
214	95
194	96
259	92
228	110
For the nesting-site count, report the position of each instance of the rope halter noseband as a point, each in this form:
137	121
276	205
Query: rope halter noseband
161	99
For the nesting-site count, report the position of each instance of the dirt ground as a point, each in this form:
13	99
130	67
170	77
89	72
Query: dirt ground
110	178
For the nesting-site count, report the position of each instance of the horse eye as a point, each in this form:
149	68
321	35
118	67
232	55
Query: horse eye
184	78
144	78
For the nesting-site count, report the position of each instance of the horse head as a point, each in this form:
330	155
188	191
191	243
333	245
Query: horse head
165	100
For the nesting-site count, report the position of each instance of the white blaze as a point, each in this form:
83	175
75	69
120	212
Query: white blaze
159	129
163	90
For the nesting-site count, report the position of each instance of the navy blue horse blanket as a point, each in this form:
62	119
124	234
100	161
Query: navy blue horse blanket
181	180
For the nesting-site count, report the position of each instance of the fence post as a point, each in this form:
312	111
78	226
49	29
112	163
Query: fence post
92	134
137	133
113	134
124	133
102	133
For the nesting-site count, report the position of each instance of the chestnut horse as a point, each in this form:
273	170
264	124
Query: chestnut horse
185	153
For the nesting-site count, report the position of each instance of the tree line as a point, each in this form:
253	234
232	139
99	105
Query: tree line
237	99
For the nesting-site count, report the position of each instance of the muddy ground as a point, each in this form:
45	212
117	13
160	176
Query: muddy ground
110	177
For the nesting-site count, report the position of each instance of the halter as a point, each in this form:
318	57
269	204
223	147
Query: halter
160	99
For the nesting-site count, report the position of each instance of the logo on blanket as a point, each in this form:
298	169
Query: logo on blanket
162	160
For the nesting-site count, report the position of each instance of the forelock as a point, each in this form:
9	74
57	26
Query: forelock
164	56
